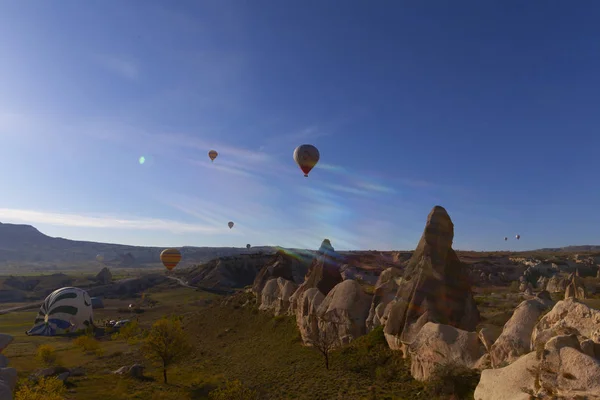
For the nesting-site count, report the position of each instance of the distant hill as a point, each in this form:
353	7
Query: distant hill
581	248
25	244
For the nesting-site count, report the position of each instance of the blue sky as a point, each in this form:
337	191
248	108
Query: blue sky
490	109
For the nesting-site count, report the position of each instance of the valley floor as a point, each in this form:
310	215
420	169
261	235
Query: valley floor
230	343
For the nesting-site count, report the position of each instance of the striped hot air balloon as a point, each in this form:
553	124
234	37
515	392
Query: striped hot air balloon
67	309
170	258
212	155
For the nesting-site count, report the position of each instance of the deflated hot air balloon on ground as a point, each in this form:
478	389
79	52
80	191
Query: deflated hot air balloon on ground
212	155
170	258
230	224
306	156
65	310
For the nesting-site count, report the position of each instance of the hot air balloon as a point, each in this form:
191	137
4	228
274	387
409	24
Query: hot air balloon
248	246
518	237
505	238
170	258
230	224
100	257
212	155
306	156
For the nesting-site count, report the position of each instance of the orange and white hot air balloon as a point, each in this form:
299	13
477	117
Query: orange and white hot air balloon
170	258
212	155
306	156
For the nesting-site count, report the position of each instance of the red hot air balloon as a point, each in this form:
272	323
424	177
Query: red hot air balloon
306	156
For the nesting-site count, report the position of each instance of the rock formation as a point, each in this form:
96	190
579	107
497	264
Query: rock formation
280	267
435	287
104	277
385	291
323	274
567	316
307	317
275	295
438	344
515	339
557	284
344	311
576	288
8	376
493	383
228	272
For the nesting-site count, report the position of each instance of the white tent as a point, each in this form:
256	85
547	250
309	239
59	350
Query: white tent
68	309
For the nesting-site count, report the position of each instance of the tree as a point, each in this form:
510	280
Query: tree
166	343
325	338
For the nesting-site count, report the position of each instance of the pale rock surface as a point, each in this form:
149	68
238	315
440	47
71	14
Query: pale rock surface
576	289
307	318
566	371
276	295
493	384
443	344
344	311
488	337
385	291
515	339
567	316
282	265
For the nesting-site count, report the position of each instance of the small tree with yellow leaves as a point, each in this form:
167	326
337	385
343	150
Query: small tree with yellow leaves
166	343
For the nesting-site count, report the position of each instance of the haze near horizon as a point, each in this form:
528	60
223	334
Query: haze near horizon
108	111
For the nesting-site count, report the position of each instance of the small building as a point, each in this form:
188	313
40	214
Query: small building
97	302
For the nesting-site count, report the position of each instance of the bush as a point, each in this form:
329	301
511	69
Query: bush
233	390
201	387
514	287
452	380
88	344
129	332
46	354
46	389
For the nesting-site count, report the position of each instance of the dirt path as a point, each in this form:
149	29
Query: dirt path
21	308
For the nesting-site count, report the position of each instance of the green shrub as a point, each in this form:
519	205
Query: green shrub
452	380
46	354
514	287
87	344
202	386
366	353
45	389
233	390
131	332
